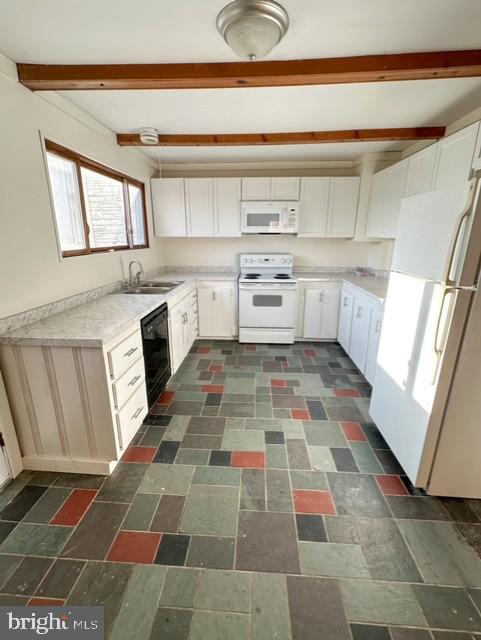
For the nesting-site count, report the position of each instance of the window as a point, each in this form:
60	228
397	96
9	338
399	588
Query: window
96	208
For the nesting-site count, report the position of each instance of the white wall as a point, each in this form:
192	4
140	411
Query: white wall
224	251
31	272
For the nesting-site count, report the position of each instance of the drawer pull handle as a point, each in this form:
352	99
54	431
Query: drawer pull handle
133	381
130	352
137	413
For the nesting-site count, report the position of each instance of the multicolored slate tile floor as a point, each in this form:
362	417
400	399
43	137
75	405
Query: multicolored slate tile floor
256	502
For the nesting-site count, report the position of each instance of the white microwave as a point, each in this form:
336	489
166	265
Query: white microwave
269	217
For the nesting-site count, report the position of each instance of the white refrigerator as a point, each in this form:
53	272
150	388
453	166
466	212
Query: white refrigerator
426	398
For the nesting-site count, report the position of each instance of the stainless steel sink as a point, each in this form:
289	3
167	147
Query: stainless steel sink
154	287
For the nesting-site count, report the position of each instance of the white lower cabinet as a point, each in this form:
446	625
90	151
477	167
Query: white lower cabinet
359	329
321	311
76	408
183	328
345	319
217	309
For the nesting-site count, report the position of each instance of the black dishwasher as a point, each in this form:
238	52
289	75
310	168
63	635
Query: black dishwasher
155	339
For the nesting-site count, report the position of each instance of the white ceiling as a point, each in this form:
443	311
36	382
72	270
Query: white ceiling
124	31
109	31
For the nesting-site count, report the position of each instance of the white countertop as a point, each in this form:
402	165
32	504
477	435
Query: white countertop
96	323
375	286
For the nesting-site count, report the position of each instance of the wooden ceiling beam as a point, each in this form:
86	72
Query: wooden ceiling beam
375	68
294	137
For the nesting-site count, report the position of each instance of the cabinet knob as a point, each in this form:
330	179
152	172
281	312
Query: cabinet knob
213	296
321	296
345	301
359	312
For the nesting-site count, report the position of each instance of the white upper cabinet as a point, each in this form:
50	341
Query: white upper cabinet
313	207
227	195
387	191
328	207
421	167
199	203
455	157
168	206
285	188
343	200
270	188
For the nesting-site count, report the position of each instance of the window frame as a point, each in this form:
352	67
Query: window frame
82	161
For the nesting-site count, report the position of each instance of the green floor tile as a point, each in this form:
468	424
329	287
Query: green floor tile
224	591
36	539
313	480
192	456
217	475
381	603
141	511
243	441
276	456
208	625
211	510
166	478
48	505
270	607
365	458
177	428
331	559
139	603
180	587
321	458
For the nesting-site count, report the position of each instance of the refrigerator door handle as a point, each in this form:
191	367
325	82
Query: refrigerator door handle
438	350
453	263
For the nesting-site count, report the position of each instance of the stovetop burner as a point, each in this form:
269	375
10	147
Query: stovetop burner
252	276
282	276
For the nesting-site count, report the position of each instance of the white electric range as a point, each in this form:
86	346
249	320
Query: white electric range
267	298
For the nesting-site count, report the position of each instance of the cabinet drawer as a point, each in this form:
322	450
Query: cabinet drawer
125	354
130	417
128	383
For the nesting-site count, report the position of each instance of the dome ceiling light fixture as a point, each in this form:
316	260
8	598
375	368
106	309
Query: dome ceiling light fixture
252	28
149	135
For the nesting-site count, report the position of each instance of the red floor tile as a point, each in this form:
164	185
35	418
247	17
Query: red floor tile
314	502
250	459
278	383
347	393
284	364
46	602
139	454
166	397
74	508
392	486
135	546
300	414
203	350
216	367
310	353
353	431
251	347
212	388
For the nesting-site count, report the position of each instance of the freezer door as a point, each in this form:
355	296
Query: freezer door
407	367
431	230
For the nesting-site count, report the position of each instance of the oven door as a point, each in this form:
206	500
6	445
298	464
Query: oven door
267	305
264	217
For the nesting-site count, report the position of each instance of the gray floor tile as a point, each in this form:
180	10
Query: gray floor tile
180	587
219	626
224	591
211	510
253	491
171	624
211	552
357	495
448	608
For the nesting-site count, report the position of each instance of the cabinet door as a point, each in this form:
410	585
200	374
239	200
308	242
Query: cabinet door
227	195
345	320
343	198
373	345
421	171
455	157
216	307
200	207
284	188
168	206
255	188
321	312
375	216
360	333
395	186
313	207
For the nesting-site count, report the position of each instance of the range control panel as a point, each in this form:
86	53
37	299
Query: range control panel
280	260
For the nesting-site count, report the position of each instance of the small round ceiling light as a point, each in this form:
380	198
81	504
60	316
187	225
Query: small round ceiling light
252	28
149	135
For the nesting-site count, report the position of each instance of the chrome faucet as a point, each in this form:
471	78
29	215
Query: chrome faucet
137	278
